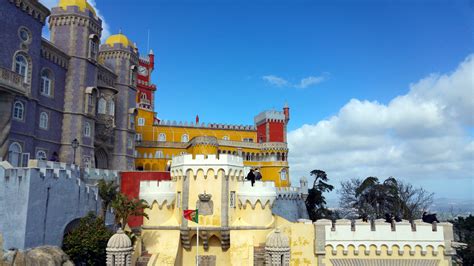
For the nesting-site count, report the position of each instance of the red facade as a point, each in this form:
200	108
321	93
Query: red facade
130	186
276	131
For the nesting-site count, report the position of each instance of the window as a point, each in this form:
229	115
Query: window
46	82
184	138
159	154
138	137
21	66
162	137
18	110
102	106
248	140
14	154
24	35
112	108
225	138
41	155
87	129
283	174
133	75
90	103
43	121
93	46
141	121
130	143
143	97
86	161
131	120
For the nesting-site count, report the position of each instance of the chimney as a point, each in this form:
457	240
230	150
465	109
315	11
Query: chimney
286	111
151	56
197	119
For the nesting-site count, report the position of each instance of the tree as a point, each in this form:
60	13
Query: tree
316	202
107	192
125	207
369	198
464	233
86	244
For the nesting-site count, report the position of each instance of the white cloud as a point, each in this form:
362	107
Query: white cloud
105	27
421	136
302	84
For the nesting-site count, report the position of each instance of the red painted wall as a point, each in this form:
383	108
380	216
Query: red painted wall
261	133
130	186
276	132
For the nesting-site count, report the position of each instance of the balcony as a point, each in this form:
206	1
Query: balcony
12	82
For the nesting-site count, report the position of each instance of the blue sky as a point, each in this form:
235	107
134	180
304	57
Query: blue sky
376	88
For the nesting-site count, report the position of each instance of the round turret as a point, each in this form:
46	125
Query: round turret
119	249
81	4
277	249
119	39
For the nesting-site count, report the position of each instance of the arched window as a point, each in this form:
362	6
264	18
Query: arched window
225	138
18	110
133	75
111	107
87	129
159	154
41	155
184	138
43	121
162	137
143	97
46	83
102	106
14	154
283	174
21	66
93	46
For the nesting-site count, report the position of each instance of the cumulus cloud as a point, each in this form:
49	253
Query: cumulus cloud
105	27
420	136
277	81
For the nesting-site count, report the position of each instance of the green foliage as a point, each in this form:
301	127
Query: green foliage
464	233
372	199
107	192
125	207
86	244
316	202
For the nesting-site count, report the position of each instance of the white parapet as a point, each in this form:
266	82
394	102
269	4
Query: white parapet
230	164
288	193
263	191
159	191
346	233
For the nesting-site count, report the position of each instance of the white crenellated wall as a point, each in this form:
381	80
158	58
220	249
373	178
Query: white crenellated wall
264	192
400	234
231	165
159	191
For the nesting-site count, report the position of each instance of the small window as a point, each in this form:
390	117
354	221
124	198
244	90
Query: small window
133	75
102	106
24	35
43	121
21	66
138	137
41	155
159	154
283	174
93	46
162	137
14	154
225	138
87	129
141	121
46	82
86	161
184	138
112	108
131	120
248	140
18	110
130	143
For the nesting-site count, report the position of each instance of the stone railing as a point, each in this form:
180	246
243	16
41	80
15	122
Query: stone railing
159	191
11	81
263	191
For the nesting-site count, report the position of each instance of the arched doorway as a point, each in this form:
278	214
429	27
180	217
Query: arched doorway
101	159
14	154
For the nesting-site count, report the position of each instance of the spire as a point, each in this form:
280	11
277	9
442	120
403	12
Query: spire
197	119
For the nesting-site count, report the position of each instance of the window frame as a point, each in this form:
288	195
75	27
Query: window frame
45	154
49	80
87	129
43	118
19	66
162	137
22	111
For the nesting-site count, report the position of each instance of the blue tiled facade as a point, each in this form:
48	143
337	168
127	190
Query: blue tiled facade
79	77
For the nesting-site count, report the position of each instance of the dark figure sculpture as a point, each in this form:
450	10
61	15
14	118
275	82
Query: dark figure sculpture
388	218
54	157
429	218
258	175
251	177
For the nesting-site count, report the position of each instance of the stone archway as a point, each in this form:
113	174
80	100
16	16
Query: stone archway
101	159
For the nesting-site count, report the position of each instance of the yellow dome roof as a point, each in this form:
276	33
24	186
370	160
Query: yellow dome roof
119	38
82	4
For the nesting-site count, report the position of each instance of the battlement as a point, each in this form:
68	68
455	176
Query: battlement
231	165
159	191
269	116
290	193
96	174
207	126
379	233
264	192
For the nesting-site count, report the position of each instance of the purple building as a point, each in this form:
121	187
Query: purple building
69	98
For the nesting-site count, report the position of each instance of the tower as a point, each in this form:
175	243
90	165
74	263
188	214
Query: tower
271	125
146	89
121	56
76	30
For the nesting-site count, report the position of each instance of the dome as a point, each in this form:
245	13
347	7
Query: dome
277	239
303	178
119	38
82	4
119	241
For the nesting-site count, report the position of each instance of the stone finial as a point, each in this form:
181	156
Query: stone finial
119	249
277	249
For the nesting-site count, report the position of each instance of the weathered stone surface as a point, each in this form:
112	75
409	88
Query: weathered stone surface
40	256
